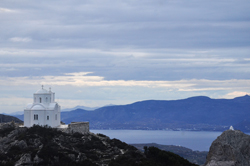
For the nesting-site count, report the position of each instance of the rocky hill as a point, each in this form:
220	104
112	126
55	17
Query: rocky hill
7	118
196	157
231	148
48	146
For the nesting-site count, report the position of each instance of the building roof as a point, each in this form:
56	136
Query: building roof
42	91
41	106
38	107
28	106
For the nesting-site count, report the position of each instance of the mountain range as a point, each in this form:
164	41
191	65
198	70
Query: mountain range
7	118
84	108
195	113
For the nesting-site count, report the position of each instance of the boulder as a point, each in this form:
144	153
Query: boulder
231	148
24	160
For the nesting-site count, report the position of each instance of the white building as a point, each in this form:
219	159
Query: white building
43	111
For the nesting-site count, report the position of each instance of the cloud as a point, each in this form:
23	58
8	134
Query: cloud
6	10
14	101
235	94
129	64
19	39
126	24
82	79
13	104
149	49
84	88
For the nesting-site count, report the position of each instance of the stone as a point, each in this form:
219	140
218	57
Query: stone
80	127
22	144
75	127
37	159
48	146
231	148
72	157
24	160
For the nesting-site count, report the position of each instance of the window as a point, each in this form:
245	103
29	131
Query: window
35	117
56	117
35	99
40	99
47	117
46	99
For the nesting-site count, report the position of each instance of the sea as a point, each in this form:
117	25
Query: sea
195	140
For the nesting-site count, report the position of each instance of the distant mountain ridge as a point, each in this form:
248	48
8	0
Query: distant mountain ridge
7	118
84	108
194	113
80	107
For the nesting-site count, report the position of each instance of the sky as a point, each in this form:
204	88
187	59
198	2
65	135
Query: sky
99	52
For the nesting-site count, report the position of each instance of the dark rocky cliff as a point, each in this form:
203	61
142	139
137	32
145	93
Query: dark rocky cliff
196	157
48	146
231	148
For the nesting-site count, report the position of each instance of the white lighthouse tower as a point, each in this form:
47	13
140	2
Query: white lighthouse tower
43	111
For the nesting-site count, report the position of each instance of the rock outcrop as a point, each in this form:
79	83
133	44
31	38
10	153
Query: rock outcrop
197	157
49	146
231	148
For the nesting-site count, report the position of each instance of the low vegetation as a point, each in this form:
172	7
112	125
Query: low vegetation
197	157
48	146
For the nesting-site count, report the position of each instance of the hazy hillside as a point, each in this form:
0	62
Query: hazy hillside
196	113
7	118
196	157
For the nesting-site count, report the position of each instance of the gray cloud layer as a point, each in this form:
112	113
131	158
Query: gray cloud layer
149	40
130	64
121	24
